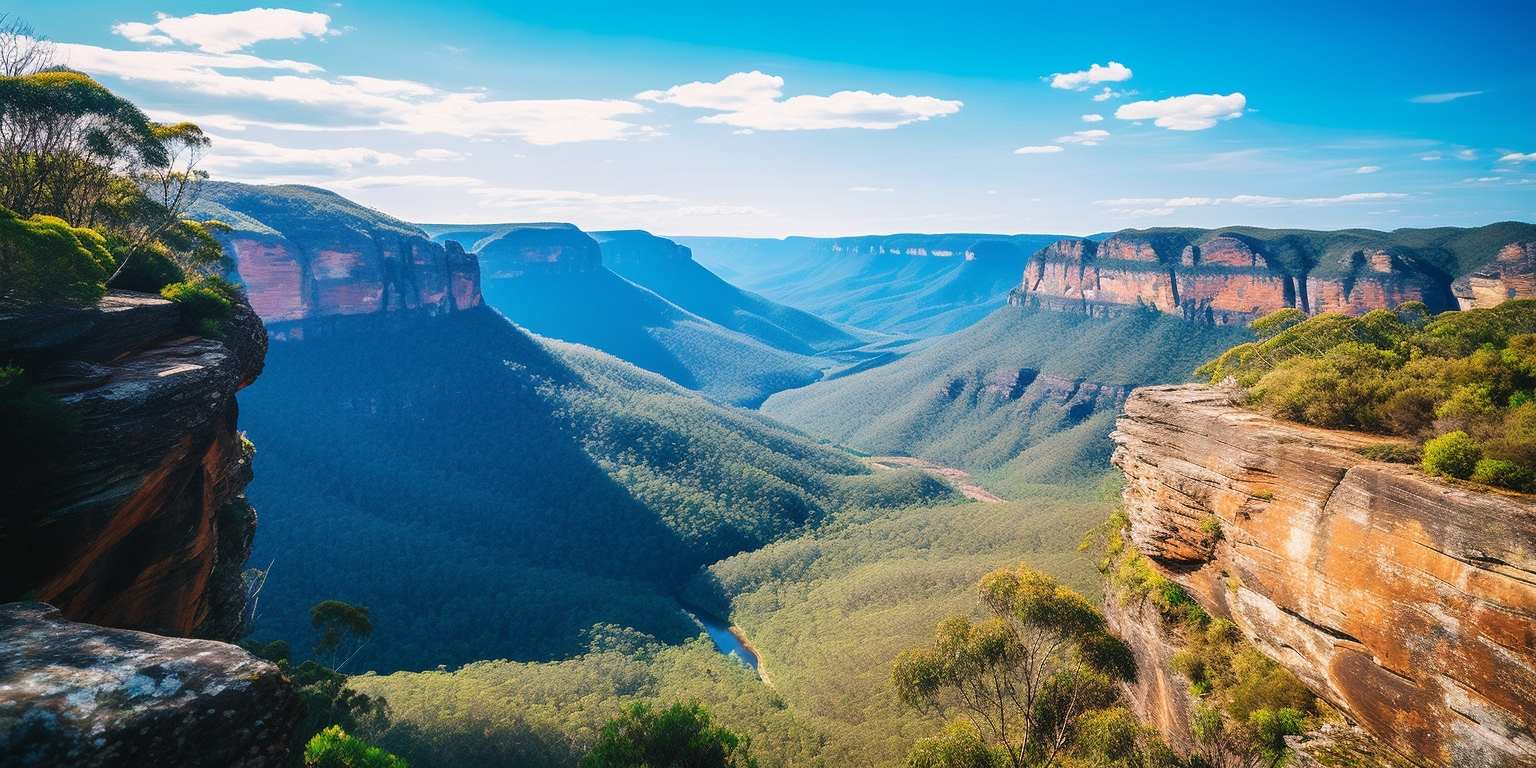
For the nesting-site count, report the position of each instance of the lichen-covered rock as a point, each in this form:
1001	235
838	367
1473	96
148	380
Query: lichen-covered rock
144	524
80	695
1406	602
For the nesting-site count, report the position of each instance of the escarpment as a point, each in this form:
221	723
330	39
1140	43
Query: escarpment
1233	275
305	254
539	249
138	519
1406	602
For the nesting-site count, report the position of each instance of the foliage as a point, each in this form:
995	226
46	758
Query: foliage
1454	454
343	628
680	735
204	301
959	745
44	260
1024	677
1393	453
1505	474
334	748
1462	381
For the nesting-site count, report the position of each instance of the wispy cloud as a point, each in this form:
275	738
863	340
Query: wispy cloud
871	189
1195	112
1139	207
1042	149
1093	118
1088	138
1113	72
1518	157
754	101
1368	169
1441	98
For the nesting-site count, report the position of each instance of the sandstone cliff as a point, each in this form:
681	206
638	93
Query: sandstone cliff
1406	602
142	523
1234	275
512	250
305	253
83	696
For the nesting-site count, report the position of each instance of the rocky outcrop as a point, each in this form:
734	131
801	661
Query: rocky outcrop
1511	275
1158	696
84	696
142	522
542	248
305	254
1406	602
625	247
1233	276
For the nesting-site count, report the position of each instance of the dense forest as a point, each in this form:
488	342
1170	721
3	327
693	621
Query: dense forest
490	495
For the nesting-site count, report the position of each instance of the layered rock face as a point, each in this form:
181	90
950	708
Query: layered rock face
143	523
84	696
1079	397
1406	602
1220	279
305	254
541	248
1511	275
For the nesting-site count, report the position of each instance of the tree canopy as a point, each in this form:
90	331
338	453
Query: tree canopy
680	736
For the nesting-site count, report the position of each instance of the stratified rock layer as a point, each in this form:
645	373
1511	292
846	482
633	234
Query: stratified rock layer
145	524
83	696
1233	276
1407	602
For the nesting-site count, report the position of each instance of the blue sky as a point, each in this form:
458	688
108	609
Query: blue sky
802	118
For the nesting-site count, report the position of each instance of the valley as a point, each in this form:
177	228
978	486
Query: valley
609	468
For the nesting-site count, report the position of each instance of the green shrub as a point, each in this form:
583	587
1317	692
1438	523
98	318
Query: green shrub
1392	453
1454	454
333	748
1504	474
44	260
1277	321
681	735
205	303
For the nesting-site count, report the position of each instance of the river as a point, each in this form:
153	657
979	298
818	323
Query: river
726	641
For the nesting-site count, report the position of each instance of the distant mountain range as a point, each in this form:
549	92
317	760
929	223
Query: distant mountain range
903	285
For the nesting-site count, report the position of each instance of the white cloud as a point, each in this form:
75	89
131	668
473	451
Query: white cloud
1441	98
555	199
1088	138
1519	157
1466	154
1044	149
871	189
753	101
1093	118
434	153
364	103
242	158
403	180
226	32
723	210
1110	93
1367	169
1267	201
733	93
1431	156
1163	206
1195	112
1113	72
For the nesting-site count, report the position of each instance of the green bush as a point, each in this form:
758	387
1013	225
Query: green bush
1453	455
1393	453
680	735
205	302
333	748
1505	474
44	260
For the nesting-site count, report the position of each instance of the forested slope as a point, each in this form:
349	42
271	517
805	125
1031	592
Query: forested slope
487	495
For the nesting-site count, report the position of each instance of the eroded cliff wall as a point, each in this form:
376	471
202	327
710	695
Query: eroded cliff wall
1233	276
140	521
1406	602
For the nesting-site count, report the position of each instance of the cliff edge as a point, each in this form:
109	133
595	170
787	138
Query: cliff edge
1406	602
